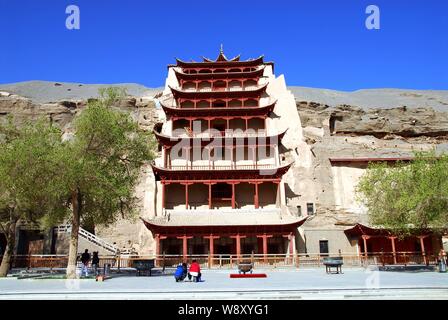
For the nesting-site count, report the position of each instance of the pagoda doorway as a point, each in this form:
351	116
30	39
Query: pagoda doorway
219	125
224	246
221	195
171	246
277	245
249	245
198	245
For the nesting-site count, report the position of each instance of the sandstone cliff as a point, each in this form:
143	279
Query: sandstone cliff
345	131
372	123
126	234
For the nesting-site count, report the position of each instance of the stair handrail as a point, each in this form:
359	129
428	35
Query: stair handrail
89	236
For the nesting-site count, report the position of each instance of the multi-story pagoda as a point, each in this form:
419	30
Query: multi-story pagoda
219	180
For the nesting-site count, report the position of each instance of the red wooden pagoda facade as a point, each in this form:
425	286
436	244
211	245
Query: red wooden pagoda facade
219	180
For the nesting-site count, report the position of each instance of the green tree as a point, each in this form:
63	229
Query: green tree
27	169
408	198
102	163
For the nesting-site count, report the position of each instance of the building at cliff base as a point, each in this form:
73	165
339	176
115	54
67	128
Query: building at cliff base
229	178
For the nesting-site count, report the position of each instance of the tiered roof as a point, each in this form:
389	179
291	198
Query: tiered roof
220	62
258	72
255	172
214	173
254	93
222	111
197	223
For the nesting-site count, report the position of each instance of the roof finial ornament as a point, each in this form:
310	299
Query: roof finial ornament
221	50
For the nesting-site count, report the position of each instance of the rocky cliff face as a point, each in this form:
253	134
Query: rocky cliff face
126	234
330	130
345	131
62	112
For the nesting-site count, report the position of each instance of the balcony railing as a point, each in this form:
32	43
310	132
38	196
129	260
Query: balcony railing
220	71
225	133
221	89
223	167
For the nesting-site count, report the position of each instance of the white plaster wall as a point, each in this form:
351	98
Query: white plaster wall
171	80
345	180
337	240
288	118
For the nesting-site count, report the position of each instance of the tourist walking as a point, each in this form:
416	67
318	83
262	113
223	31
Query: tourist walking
442	261
95	262
85	259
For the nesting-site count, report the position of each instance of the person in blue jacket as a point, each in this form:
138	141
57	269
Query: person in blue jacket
181	272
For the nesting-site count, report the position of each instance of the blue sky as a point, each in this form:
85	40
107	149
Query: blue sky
314	43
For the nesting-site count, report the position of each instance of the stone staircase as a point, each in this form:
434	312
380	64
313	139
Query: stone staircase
89	239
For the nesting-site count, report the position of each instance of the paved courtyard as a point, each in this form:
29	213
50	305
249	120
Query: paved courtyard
283	284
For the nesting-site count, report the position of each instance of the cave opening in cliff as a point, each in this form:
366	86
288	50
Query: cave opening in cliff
332	123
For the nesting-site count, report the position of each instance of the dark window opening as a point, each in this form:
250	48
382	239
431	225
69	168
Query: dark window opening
219	127
221	190
219	104
323	247
310	208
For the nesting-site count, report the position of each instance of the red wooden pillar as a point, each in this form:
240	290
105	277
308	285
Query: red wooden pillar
209	195
291	240
209	156
422	245
186	194
265	237
233	195
169	158
166	161
158	238
211	239
392	239
238	238
365	238
256	204
185	245
163	195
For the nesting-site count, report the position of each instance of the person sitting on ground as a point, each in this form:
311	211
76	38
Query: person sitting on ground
85	259
195	271
95	262
181	272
